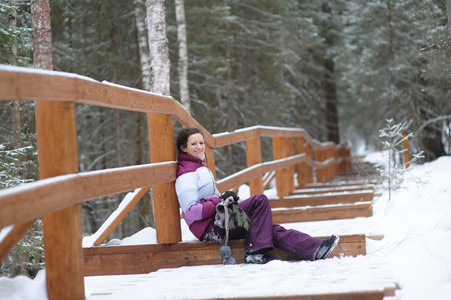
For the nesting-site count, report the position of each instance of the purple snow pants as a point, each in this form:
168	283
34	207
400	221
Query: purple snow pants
263	234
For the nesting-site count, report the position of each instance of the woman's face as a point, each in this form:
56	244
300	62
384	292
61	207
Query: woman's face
195	146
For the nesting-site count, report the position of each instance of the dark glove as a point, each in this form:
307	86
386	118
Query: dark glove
228	194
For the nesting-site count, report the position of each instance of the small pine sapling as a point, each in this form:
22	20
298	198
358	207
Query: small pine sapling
392	140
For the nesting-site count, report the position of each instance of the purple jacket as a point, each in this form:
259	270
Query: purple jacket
196	180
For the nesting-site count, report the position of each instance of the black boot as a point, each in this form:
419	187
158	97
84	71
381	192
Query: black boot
257	257
326	247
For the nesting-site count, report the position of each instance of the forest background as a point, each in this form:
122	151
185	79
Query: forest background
338	69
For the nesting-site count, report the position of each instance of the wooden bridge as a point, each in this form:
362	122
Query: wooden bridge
320	193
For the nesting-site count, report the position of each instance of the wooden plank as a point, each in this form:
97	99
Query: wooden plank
332	212
63	191
18	83
332	189
118	215
13	236
115	260
364	295
242	135
321	199
338	182
101	183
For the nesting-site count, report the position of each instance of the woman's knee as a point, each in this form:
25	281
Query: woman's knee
261	200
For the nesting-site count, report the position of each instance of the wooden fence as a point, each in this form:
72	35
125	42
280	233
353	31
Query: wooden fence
56	197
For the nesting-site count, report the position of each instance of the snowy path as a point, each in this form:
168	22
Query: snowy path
278	278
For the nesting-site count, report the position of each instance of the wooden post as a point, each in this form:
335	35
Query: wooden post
278	146
327	169
253	157
319	172
348	159
300	168
57	155
308	168
406	149
210	164
337	166
165	204
330	169
290	170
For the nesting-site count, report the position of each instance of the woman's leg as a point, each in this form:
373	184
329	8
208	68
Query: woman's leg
259	236
301	244
263	234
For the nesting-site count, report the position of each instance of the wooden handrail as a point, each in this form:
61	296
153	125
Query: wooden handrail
66	190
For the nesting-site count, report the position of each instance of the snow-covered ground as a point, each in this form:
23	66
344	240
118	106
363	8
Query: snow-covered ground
416	224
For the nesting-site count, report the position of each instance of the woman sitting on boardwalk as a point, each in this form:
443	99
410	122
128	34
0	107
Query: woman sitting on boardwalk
198	196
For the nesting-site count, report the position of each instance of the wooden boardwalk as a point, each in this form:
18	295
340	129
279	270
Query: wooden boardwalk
166	269
346	278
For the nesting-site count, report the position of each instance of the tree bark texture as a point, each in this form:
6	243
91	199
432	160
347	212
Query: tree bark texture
42	35
230	117
183	54
330	90
158	45
143	45
448	9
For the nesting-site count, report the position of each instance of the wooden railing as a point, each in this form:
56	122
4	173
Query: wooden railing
293	150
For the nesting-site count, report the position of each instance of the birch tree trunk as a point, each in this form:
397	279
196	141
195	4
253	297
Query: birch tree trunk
161	127
230	117
143	45
57	155
183	54
144	205
448	9
158	45
42	34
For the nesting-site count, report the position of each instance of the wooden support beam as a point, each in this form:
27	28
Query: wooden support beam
165	204
322	199
12	237
138	259
57	155
278	145
405	144
290	170
319	157
118	215
300	168
333	212
308	168
253	157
